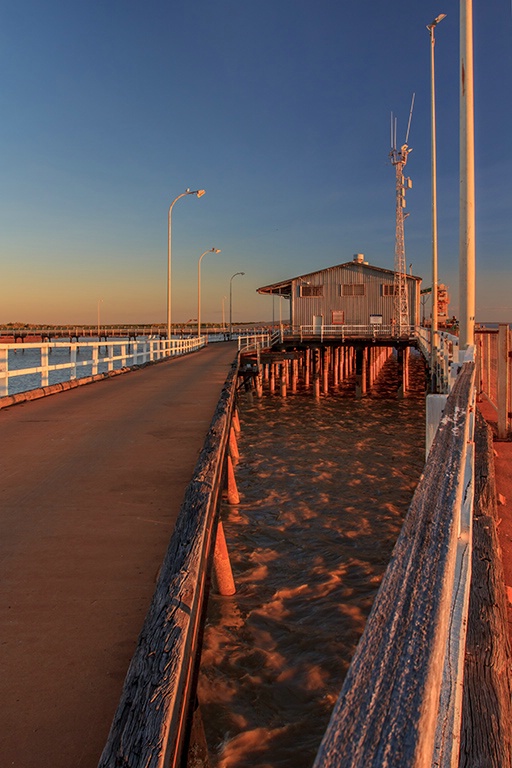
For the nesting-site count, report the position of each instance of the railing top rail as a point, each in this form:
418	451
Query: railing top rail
370	329
387	711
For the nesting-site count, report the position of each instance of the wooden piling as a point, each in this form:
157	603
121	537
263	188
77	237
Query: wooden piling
232	490
221	565
325	371
336	367
361	372
259	384
283	379
307	371
295	375
233	446
272	382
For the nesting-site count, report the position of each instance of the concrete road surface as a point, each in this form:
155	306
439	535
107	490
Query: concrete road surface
91	482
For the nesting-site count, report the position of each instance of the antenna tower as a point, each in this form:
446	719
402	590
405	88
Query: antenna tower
400	297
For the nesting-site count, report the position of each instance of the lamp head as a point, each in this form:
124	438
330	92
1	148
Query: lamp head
215	250
436	21
199	192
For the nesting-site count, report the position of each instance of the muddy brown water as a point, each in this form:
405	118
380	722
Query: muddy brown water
324	489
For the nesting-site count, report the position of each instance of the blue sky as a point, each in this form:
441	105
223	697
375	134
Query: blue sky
279	109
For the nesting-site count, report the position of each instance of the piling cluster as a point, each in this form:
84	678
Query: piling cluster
321	369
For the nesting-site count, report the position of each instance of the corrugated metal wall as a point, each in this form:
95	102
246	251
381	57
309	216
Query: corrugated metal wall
357	309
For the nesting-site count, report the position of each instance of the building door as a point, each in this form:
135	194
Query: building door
317	324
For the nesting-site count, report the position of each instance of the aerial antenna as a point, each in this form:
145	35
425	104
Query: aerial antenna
401	320
410	118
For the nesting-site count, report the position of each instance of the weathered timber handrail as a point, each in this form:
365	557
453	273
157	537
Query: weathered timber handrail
486	733
150	727
390	705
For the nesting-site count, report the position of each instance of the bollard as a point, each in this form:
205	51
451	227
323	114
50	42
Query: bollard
221	565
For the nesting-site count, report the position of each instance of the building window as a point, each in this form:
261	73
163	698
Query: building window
311	290
353	289
338	317
388	289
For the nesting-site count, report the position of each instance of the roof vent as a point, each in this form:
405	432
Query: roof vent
359	258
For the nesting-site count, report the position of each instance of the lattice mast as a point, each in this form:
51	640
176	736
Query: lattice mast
398	157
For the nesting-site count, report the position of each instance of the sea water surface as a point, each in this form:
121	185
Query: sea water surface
324	487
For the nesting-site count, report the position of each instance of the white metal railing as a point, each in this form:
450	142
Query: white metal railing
447	350
342	332
253	342
40	360
402	697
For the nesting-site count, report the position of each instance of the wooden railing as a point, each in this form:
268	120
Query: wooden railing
151	727
401	701
494	373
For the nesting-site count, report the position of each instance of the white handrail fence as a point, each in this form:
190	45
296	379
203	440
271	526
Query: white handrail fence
346	332
82	359
253	342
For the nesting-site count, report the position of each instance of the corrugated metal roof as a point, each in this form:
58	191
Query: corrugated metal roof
284	287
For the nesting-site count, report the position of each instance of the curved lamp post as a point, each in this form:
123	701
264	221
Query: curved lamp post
434	325
198	193
231	303
210	250
100	301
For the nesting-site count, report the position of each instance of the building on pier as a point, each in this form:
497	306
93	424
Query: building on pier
351	294
342	323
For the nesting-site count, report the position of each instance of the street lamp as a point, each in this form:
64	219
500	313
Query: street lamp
100	301
210	250
198	193
223	315
433	329
231	302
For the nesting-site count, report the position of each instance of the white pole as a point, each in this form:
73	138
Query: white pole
210	250
434	327
197	193
467	180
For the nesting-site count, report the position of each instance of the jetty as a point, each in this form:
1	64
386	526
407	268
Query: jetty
112	539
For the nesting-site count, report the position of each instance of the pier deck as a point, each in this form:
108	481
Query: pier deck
92	481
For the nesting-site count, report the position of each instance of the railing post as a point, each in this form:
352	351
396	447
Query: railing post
503	382
4	371
72	355
44	365
95	356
